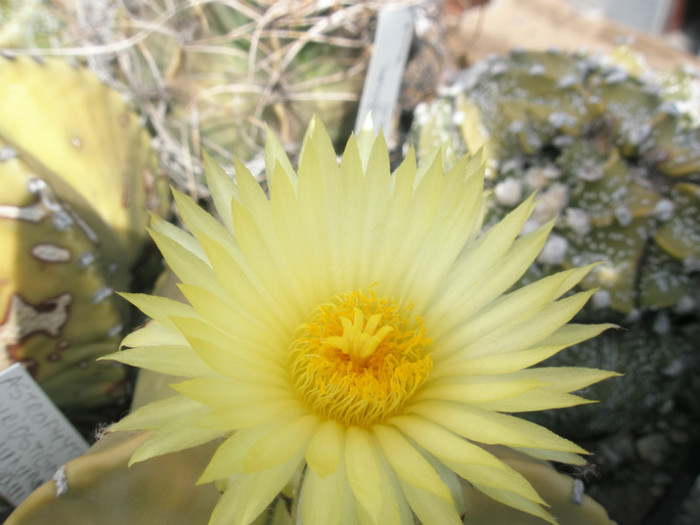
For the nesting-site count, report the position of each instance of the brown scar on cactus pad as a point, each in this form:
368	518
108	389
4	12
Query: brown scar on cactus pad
79	179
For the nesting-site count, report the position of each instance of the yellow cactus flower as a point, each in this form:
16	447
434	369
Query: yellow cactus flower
355	332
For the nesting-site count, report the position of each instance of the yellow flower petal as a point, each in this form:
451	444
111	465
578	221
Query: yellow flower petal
249	494
325	450
408	463
222	189
229	458
238	359
430	509
363	471
327	500
221	392
518	502
246	415
159	413
492	428
154	334
159	309
280	444
178	434
444	444
502	363
179	236
478	259
476	389
176	360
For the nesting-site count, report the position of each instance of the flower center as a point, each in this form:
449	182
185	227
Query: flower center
359	358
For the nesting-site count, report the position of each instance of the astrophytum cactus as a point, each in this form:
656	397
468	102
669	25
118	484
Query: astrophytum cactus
78	179
615	162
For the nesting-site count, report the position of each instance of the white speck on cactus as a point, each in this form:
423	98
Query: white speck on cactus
554	250
509	192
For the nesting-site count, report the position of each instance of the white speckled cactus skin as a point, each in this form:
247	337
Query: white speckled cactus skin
616	164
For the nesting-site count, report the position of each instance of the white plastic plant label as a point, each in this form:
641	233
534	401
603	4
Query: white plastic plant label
35	438
380	92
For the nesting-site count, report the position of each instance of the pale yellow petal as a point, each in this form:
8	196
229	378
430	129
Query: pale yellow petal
394	224
275	156
187	266
160	413
154	334
325	449
518	502
552	455
458	214
470	293
363	472
198	220
492	428
246	415
253	198
474	389
179	434
235	320
180	236
242	284
222	189
230	456
528	332
281	444
319	244
564	337
509	310
258	254
502	479
408	463
566	378
239	359
539	399
220	392
430	509
443	443
249	494
419	220
478	261
350	213
176	360
159	308
327	500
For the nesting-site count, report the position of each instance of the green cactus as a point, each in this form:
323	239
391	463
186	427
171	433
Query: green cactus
214	74
616	165
78	178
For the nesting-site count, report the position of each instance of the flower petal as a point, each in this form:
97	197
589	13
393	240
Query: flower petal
503	363
363	473
220	392
222	188
159	413
279	445
328	500
176	360
492	428
325	449
430	509
480	258
408	463
249	494
178	434
159	308
154	334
